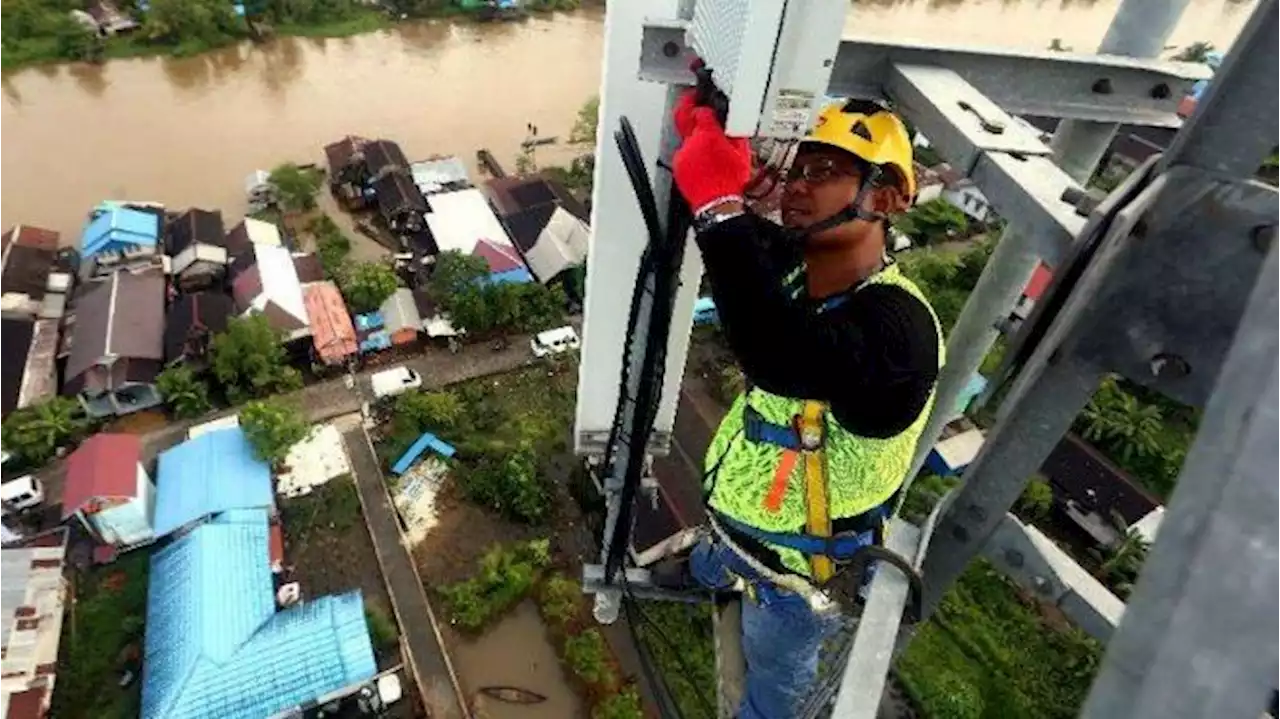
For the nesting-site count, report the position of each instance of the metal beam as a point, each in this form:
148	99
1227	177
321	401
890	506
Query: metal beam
1199	637
1102	88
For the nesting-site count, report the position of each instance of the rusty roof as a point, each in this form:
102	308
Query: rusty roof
122	318
332	333
31	236
104	467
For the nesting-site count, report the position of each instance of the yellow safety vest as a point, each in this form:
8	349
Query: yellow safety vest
770	488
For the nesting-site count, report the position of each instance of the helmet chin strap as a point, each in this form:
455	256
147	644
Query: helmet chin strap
853	211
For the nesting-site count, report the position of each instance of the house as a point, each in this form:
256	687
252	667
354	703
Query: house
209	474
400	203
190	325
269	286
33	279
109	491
427	441
546	223
504	264
117	345
346	170
333	337
441	174
215	645
459	220
434	322
32	601
28	352
962	192
400	318
1092	492
381	157
110	19
242	238
119	237
308	268
1034	290
196	243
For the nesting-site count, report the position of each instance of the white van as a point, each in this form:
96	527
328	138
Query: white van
21	494
561	339
394	381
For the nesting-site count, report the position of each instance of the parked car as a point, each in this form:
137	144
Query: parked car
561	339
394	381
21	494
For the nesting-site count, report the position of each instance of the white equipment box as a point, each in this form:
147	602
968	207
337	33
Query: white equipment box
773	58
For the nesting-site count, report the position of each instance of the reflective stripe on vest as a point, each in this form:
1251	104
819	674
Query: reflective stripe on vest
861	472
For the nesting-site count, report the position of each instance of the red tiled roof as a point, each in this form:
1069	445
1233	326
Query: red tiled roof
275	546
106	465
1039	282
498	259
332	332
27	704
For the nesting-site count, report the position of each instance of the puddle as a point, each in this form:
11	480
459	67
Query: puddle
514	653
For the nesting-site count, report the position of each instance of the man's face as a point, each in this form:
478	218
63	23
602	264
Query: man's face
822	181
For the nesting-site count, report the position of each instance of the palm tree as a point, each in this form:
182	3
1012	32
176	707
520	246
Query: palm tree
1117	419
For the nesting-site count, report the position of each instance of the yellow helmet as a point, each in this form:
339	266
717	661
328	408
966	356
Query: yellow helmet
870	132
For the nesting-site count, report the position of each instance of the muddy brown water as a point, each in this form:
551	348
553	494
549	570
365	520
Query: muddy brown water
187	131
515	652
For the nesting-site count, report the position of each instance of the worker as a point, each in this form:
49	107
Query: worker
840	354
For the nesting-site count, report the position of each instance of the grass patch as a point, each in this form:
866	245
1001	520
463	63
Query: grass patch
382	629
363	20
507	575
101	634
988	653
331	508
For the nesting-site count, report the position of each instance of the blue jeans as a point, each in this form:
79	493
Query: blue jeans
781	635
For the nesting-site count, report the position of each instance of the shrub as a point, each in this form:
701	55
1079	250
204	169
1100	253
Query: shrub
510	484
623	705
429	411
185	393
381	629
1036	500
561	600
588	657
295	187
35	434
249	360
506	575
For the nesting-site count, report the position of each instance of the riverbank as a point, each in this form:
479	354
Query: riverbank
53	47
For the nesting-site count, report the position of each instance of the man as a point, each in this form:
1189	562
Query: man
840	353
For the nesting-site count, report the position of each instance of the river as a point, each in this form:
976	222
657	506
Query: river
187	131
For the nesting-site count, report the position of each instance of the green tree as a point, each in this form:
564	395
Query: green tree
584	127
195	23
366	285
272	428
1123	562
249	360
1117	419
509	483
588	656
185	393
933	221
34	434
332	245
1195	52
295	187
429	411
454	272
1035	501
73	40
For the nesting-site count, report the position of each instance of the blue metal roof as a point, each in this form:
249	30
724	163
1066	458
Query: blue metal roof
216	647
427	440
214	472
117	227
518	275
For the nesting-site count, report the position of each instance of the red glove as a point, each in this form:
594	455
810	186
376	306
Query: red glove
683	115
709	166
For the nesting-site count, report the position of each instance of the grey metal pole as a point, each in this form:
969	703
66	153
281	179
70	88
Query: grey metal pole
1139	29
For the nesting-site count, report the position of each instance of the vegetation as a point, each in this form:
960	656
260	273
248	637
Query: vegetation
1195	52
382	630
1035	501
932	221
947	278
507	574
101	638
249	360
683	645
588	657
459	285
186	394
560	601
988	653
579	176
584	127
295	187
623	705
272	428
35	434
366	285
330	509
510	484
1144	433
332	246
1122	563
924	494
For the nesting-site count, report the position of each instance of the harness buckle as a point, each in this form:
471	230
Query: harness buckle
810	435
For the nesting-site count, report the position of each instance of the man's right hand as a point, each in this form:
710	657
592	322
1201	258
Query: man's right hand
709	168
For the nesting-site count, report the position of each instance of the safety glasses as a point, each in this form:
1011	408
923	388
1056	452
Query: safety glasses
817	170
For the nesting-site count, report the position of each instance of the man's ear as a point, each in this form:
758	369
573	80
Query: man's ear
888	200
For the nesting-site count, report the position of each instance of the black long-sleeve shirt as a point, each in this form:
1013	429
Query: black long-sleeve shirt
873	358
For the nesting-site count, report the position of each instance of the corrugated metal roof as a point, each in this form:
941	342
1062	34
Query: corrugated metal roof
215	647
104	466
497	260
437	175
279	279
459	220
415	450
332	333
212	473
119	226
517	276
400	311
